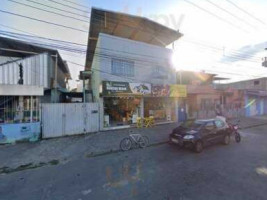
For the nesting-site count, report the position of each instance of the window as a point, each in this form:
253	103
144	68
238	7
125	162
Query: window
122	68
209	126
160	72
219	124
256	82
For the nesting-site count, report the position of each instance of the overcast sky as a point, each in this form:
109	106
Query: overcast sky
230	44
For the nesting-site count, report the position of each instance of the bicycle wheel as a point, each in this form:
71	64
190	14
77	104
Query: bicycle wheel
126	144
143	142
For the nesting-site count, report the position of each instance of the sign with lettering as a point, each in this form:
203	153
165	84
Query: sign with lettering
115	88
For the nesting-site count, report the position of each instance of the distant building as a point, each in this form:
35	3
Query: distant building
202	97
255	95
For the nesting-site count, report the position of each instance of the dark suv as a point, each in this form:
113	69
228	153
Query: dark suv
200	133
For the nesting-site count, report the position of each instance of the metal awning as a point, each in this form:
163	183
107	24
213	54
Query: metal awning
126	26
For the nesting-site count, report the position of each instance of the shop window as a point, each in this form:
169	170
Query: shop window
122	67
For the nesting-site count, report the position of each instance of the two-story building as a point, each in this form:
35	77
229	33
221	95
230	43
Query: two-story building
132	72
29	75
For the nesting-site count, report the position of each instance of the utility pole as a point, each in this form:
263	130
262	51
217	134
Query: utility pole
55	98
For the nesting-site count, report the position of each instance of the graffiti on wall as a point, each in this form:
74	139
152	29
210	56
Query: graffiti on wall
11	133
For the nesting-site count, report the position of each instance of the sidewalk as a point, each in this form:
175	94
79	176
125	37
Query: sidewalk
62	150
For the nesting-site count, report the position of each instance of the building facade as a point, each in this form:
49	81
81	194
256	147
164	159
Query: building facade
132	72
254	94
131	83
29	75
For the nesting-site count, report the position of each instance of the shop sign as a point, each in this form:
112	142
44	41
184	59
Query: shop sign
178	91
111	88
160	90
169	91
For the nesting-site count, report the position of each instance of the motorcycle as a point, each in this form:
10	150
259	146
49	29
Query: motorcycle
234	129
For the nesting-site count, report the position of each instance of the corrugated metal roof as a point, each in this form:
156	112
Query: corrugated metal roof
127	26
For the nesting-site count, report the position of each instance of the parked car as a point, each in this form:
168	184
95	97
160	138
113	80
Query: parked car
200	133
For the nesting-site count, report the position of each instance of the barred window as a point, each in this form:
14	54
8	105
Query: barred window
122	67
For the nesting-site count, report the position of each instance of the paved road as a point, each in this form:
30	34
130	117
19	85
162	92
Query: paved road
237	171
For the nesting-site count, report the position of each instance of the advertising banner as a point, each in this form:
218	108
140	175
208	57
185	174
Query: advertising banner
178	91
116	88
169	91
160	90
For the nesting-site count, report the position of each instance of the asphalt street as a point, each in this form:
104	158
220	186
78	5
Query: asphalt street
237	171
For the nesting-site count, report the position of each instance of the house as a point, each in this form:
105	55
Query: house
29	75
132	72
254	95
202	98
39	66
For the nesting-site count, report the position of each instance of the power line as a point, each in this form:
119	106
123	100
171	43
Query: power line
62	4
31	35
246	12
236	17
62	10
79	50
43	21
81	5
59	14
216	16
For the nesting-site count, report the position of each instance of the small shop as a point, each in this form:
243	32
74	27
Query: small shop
163	103
19	113
123	102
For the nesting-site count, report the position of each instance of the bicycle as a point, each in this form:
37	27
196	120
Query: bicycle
136	139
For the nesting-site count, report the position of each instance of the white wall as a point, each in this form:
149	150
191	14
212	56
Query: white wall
145	56
35	71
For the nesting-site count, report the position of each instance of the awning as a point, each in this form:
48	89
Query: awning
127	26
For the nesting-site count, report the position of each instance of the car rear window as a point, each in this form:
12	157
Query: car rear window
192	124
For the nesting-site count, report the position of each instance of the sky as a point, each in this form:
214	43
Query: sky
218	37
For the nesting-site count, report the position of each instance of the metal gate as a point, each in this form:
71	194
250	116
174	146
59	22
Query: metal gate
62	119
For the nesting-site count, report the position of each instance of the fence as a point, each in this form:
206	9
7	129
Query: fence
63	119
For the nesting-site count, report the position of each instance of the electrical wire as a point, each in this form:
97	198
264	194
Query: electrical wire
233	15
246	12
62	10
77	4
43	21
56	13
216	16
62	4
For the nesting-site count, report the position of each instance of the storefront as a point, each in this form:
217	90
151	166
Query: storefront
124	103
163	103
119	111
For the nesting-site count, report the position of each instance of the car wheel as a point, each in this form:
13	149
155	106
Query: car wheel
198	147
226	140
